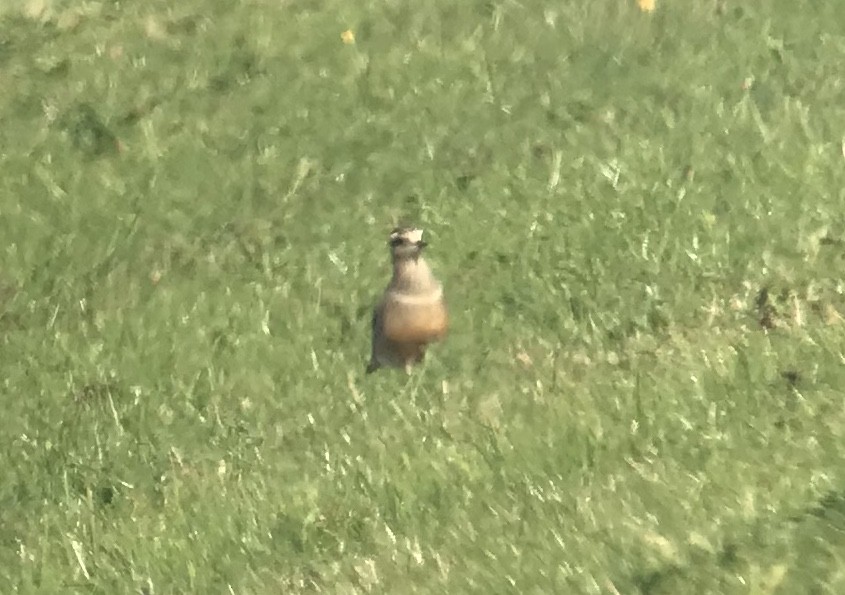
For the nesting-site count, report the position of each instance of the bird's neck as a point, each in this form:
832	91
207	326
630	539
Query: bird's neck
412	275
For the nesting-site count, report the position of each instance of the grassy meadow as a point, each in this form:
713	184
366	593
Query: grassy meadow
639	220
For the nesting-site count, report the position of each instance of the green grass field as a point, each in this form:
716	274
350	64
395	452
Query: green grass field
639	219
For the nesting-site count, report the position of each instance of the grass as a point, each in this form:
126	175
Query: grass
638	218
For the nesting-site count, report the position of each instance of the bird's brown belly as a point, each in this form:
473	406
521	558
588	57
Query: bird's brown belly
415	324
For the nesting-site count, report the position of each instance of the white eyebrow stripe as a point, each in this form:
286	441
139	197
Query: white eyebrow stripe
414	235
416	299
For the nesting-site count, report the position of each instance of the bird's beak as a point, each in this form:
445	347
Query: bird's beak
422	244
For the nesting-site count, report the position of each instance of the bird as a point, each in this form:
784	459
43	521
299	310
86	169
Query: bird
411	313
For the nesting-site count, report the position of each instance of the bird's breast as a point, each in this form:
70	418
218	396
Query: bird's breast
410	318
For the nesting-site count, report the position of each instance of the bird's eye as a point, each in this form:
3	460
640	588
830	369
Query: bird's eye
397	241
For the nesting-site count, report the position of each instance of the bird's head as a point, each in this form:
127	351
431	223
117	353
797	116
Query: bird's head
406	243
